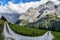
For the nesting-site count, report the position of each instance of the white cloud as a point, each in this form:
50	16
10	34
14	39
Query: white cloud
4	9
21	7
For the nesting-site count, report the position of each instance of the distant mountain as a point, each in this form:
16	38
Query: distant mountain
46	16
30	15
48	22
12	18
33	14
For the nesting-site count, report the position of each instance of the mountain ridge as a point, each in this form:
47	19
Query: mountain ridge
37	13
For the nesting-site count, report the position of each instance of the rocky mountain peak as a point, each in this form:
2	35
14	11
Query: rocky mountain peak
33	14
49	2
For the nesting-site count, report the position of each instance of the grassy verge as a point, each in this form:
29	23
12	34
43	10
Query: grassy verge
1	22
1	28
56	35
1	38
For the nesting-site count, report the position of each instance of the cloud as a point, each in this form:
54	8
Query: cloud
21	7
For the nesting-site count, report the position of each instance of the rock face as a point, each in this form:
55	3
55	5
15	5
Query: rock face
30	15
33	14
48	18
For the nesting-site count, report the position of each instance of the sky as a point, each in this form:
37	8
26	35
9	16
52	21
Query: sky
20	6
16	1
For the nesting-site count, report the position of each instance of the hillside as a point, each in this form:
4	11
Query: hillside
28	31
34	22
49	22
34	14
1	28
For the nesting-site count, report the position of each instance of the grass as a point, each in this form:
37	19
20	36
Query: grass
1	22
1	38
56	35
32	31
1	28
27	31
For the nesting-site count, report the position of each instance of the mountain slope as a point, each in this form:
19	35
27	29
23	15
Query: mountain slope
34	14
49	22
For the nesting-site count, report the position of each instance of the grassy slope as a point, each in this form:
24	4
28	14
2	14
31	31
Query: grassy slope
1	28
33	31
50	22
56	35
28	31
